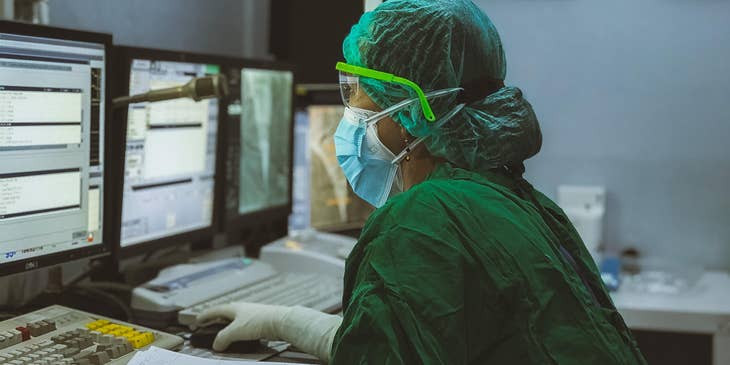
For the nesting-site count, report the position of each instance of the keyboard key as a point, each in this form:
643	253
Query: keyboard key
106	339
99	358
96	324
69	351
25	333
130	334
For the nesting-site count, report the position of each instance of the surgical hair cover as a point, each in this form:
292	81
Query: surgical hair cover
441	44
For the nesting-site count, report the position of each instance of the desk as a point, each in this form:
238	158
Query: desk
704	309
277	351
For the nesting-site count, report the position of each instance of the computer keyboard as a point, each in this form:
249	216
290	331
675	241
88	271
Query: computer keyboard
58	335
320	292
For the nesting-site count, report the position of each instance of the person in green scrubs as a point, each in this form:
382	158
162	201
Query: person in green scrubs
463	262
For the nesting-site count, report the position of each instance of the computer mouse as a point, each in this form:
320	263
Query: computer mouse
203	337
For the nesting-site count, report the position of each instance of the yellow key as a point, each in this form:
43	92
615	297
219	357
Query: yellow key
131	334
106	329
96	324
146	337
142	340
137	342
125	329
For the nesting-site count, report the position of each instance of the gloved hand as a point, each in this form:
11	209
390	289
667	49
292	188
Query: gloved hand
307	329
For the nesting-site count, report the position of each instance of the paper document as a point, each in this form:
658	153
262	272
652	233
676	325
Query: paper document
158	356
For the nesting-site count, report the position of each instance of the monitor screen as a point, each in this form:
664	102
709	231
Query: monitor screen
265	139
52	97
169	174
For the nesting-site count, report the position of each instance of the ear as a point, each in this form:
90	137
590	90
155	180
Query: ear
420	151
389	134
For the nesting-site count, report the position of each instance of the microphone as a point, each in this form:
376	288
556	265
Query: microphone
199	88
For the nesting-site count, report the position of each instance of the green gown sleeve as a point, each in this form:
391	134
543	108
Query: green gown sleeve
372	334
411	290
399	301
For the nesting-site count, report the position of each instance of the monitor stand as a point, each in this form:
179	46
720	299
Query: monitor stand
38	289
21	288
15	290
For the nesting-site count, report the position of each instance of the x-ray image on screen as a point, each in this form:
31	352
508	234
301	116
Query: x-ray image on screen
266	117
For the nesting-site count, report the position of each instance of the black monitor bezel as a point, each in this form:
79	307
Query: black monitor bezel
124	56
106	246
231	224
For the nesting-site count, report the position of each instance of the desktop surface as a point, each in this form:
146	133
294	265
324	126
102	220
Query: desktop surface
704	309
701	309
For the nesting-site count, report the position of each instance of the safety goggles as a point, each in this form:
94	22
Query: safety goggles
352	92
372	118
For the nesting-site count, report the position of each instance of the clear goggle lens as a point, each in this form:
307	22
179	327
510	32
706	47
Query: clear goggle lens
350	89
354	97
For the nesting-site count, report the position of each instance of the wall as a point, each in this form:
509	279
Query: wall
632	95
228	27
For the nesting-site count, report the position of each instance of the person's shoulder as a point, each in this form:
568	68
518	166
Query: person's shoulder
433	195
434	202
447	191
425	203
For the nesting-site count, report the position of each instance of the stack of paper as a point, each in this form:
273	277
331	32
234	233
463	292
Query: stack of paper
158	356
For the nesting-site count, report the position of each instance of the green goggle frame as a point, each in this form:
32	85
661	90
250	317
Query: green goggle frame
384	76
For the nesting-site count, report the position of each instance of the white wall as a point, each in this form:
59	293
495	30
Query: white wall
371	4
633	95
228	27
6	9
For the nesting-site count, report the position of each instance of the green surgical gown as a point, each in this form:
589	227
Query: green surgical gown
460	269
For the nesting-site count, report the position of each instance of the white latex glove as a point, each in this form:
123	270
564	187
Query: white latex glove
309	330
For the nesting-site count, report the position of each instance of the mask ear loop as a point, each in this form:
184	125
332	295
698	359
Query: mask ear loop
433	94
420	140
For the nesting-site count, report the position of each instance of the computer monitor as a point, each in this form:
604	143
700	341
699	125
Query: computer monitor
53	115
259	129
169	177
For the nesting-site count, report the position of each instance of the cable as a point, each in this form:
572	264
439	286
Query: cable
168	251
149	255
7	315
96	293
109	285
80	277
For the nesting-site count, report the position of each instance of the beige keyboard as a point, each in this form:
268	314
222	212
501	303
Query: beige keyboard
58	335
320	292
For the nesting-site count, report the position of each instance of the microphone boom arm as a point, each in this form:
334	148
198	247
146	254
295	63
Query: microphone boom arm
197	89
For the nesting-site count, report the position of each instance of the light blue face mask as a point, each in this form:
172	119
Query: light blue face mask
369	166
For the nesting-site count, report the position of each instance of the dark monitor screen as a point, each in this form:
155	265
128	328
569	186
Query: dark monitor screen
170	159
266	122
53	103
259	116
